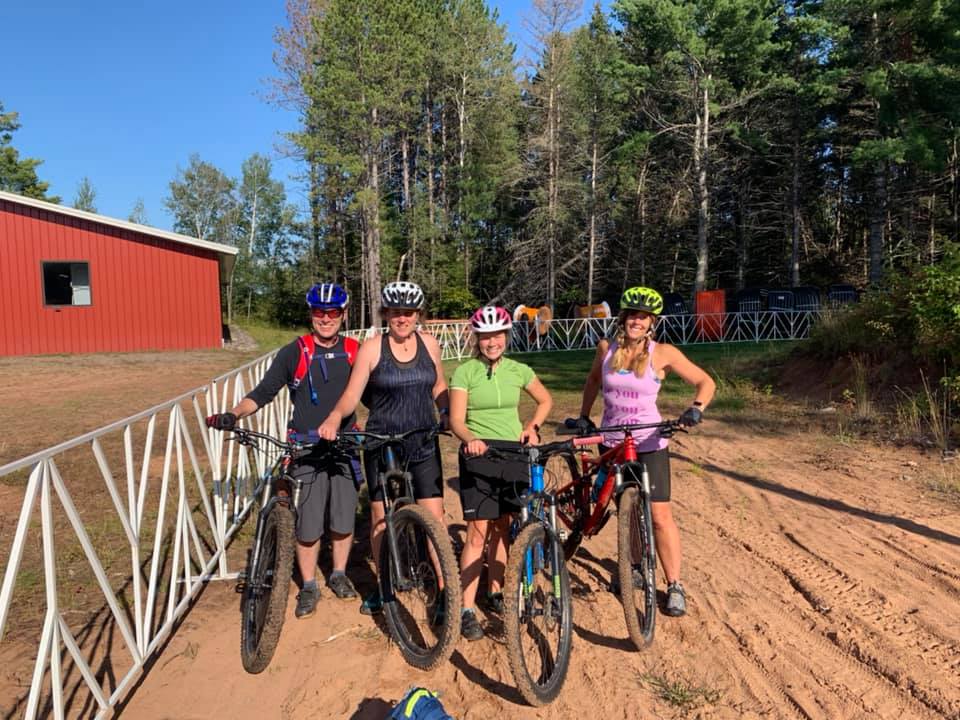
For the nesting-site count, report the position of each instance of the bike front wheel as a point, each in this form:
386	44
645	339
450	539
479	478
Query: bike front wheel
637	566
264	602
538	615
421	588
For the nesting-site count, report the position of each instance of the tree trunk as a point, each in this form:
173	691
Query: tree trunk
955	191
408	218
795	211
877	222
431	210
373	215
316	213
461	163
593	222
700	161
640	234
551	185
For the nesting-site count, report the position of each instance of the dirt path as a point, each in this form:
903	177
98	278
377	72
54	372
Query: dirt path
824	582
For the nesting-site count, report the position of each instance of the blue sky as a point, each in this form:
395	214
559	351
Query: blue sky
123	92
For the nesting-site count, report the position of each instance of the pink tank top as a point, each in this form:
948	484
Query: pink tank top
629	400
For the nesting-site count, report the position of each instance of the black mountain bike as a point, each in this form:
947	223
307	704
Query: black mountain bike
418	573
265	585
538	613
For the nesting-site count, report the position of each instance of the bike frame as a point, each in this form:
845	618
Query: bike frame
614	460
392	471
272	496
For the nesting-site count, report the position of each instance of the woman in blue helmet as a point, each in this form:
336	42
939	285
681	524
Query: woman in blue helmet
316	368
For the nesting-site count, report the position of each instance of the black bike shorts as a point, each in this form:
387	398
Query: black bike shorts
491	487
427	475
328	496
658	468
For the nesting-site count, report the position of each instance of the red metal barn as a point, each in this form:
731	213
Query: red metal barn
76	282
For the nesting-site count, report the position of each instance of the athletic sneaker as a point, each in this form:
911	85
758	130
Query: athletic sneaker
676	600
341	586
307	602
372	604
494	602
470	626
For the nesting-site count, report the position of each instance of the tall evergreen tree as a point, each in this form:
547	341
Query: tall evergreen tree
86	197
19	175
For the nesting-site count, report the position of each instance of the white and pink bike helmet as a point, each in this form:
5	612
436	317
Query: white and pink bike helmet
491	319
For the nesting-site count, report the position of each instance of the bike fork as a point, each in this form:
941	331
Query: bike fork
393	544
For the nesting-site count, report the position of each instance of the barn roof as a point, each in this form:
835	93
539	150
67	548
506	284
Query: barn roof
227	253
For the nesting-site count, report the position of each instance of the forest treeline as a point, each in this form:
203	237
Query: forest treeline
686	145
683	145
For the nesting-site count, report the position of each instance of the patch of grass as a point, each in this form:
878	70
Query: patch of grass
680	694
269	337
947	481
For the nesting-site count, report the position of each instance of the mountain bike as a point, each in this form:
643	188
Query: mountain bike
265	584
418	573
583	506
538	614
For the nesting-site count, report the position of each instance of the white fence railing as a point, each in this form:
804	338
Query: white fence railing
167	486
455	338
164	462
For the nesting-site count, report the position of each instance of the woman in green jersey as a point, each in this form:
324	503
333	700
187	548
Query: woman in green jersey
484	401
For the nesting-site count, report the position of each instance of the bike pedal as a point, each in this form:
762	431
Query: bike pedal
563	534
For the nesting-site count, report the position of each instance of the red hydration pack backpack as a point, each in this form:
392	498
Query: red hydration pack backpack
308	350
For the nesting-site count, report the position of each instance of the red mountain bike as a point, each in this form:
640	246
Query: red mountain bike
583	506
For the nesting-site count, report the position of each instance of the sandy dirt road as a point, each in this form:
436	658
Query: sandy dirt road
823	579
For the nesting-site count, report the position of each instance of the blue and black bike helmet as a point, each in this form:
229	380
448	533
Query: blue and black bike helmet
327	295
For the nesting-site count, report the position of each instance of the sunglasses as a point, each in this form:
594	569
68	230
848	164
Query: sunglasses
327	312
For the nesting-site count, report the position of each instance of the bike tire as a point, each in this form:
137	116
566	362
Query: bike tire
263	606
563	478
410	606
539	679
636	566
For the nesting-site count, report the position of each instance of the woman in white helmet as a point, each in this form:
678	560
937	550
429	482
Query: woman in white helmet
484	401
400	378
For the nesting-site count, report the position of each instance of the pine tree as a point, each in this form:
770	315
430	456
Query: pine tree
86	197
19	175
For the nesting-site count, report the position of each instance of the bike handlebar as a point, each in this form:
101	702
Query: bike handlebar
537	454
360	437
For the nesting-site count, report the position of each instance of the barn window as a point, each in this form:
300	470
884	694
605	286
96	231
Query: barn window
66	283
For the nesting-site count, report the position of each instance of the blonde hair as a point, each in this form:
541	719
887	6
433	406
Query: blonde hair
638	363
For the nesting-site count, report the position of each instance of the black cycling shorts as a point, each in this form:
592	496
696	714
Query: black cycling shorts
427	475
491	488
658	468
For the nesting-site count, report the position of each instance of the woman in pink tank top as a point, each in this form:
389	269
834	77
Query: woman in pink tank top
629	370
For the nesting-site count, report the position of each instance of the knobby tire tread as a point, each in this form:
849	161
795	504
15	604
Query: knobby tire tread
256	656
526	685
641	630
450	571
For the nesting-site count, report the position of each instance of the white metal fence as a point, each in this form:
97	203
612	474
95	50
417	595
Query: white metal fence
172	487
583	333
169	486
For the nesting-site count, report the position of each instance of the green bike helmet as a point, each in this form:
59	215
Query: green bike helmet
642	298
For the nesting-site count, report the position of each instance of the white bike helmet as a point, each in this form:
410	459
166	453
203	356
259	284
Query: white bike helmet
406	295
490	319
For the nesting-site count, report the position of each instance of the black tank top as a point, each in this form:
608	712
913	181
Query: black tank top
399	397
